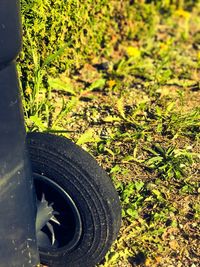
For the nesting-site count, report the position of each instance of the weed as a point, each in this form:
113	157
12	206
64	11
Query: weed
169	162
121	78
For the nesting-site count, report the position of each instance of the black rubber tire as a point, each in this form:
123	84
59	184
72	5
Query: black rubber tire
78	173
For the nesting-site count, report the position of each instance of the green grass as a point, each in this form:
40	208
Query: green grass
121	79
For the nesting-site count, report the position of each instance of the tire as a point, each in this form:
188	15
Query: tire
84	196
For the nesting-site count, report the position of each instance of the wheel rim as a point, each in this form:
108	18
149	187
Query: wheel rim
61	225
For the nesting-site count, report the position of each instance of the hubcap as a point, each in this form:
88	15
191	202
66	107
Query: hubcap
58	221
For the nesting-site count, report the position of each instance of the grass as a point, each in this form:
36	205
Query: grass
121	79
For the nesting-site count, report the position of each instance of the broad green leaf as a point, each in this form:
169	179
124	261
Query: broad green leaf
139	185
87	137
58	84
97	84
132	213
112	119
120	107
38	122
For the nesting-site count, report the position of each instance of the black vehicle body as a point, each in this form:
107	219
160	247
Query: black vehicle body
17	205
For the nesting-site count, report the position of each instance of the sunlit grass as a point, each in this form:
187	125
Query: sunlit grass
122	80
